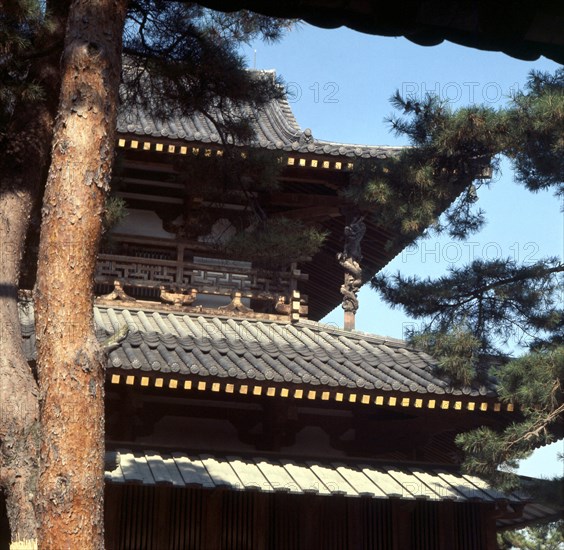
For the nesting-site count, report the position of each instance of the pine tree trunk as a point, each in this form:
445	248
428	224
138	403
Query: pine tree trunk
21	183
70	362
19	407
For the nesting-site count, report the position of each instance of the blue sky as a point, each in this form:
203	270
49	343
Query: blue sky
340	83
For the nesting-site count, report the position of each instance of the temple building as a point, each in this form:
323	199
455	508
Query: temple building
235	420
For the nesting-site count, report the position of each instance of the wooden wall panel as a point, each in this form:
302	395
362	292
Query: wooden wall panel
282	522
471	532
447	525
238	531
331	528
425	527
143	518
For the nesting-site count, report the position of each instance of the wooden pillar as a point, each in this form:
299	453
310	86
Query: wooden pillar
488	518
349	323
293	280
355	526
179	263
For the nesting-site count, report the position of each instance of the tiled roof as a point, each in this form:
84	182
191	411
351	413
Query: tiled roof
326	478
274	125
298	477
308	353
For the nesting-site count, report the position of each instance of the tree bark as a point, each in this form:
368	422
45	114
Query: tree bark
24	161
19	406
70	361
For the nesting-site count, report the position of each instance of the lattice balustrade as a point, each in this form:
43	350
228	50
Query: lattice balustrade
180	274
212	278
132	271
218	279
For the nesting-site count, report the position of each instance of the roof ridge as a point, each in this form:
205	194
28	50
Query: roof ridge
327	327
395	342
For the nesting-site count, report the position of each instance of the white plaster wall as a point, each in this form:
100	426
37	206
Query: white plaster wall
144	223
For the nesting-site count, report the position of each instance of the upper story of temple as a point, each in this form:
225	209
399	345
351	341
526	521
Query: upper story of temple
190	192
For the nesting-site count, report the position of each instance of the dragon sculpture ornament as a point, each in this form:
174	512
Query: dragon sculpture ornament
350	262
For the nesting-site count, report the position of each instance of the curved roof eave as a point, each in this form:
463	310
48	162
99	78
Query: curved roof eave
274	124
524	30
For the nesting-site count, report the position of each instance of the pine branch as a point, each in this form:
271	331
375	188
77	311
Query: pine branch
523	276
45	51
540	427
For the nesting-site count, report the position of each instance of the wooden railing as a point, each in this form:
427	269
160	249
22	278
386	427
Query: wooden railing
160	265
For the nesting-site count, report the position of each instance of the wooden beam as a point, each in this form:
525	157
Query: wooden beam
150	198
152	183
325	183
304	199
309	213
149	166
250	271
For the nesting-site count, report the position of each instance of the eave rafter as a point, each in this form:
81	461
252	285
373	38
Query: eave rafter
531	31
197	149
343	396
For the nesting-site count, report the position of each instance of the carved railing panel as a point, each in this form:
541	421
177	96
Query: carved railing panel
217	279
131	269
165	274
179	274
153	272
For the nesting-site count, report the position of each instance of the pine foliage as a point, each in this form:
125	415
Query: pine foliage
450	154
534	384
25	35
190	56
547	536
238	178
20	22
179	59
494	301
233	176
182	58
455	152
536	142
474	312
276	242
457	352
